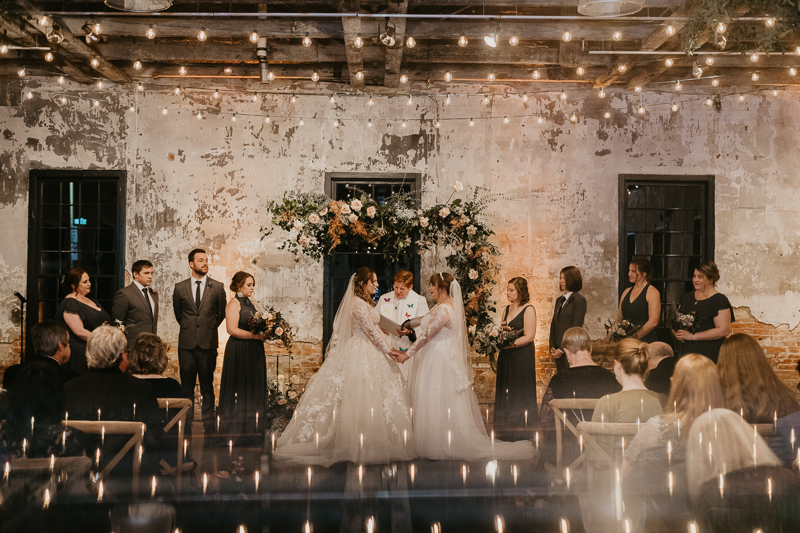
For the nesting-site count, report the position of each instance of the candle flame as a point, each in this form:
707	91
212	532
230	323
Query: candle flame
412	471
499	524
308	474
100	491
361	473
464	473
567	477
370	525
257	477
722	485
46	503
670	482
514	472
564	526
153	485
205	483
769	488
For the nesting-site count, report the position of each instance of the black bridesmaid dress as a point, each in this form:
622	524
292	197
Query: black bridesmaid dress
637	313
243	386
515	390
91	318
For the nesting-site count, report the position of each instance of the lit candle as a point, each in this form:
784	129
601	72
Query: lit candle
307	527
217	423
669	452
492	437
709	452
153	485
411	413
436	528
638	425
412	472
722	485
257	477
100	491
316	441
679	428
230	449
308	474
692	527
272	437
66	417
564	526
334	415
487	415
642	404
464	473
6	471
102	436
46	503
64	441
774	421
185	446
580	442
670	482
24	447
405	437
514	472
371	413
134	412
141	452
791	438
526	419
256	420
361	442
449	440
675	407
769	489
52	463
499	524
623	445
31	426
98	415
370	525
167	409
536	438
627	526
361	474
567	477
97	457
205	483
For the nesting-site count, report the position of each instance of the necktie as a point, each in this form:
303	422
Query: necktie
197	296
147	299
561	307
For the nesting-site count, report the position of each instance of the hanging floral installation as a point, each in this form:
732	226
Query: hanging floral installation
318	225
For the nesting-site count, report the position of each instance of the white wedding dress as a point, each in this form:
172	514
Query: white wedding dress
447	419
356	407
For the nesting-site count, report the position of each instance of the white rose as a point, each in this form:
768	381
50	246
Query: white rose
345	209
323	211
279	331
471	230
443	212
313	218
473	274
352	218
298	225
472	329
303	241
356	205
423	222
371	211
458	186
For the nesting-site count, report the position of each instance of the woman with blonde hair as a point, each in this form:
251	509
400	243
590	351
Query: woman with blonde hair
750	384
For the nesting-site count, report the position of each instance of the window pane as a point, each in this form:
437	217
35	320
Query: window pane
655	197
655	220
636	221
48	288
382	192
50	264
672	220
51	192
108	216
50	217
50	239
673	244
108	192
636	196
674	267
107	240
86	216
89	193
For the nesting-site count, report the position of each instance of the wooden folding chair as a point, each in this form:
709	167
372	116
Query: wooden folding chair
590	430
560	408
182	405
134	429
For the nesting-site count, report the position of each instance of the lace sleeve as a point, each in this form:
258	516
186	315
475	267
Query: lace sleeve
363	317
437	319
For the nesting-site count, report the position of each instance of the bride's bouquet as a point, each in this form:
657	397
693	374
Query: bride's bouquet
678	321
616	331
273	327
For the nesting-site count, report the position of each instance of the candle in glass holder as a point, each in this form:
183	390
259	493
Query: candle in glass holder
185	446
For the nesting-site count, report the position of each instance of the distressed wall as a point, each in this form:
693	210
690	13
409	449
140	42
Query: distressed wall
206	183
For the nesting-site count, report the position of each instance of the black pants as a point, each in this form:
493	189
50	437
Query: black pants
199	364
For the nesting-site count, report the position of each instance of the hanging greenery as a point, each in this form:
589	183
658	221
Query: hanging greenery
718	20
318	225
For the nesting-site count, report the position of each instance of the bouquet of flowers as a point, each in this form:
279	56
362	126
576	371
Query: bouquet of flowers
616	331
282	400
678	320
506	336
273	327
118	324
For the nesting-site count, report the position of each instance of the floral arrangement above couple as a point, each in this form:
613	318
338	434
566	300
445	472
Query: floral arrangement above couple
318	225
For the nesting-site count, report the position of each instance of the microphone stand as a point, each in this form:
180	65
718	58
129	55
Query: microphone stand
22	301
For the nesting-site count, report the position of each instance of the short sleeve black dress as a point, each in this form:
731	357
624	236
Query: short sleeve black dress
515	389
705	312
637	313
91	318
243	386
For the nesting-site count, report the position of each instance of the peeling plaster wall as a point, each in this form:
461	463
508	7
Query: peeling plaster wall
206	183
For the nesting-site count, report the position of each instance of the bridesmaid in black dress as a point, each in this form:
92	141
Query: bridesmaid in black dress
243	387
641	304
713	314
81	314
515	390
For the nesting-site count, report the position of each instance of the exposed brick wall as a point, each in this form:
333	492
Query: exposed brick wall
781	344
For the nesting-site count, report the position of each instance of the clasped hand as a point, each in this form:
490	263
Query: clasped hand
399	356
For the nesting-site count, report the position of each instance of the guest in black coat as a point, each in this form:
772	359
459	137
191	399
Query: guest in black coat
569	312
661	363
51	347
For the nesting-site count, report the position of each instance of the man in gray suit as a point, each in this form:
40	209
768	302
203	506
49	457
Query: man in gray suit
199	305
136	305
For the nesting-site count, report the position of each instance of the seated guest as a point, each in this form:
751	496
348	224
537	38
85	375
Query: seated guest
51	346
581	378
37	399
751	386
661	363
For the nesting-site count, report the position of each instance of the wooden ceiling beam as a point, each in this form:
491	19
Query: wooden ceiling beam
352	29
394	54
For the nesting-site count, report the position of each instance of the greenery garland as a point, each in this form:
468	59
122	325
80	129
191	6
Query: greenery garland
318	225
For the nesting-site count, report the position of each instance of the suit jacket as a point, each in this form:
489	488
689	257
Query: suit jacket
199	326
132	309
571	316
64	371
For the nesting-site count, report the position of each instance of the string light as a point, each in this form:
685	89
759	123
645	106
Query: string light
581	71
638	88
438	124
182	70
228	71
524	97
48	56
293	99
233	117
403	125
471	122
410	100
678	86
617	36
164	111
255	97
21	72
715	82
140	87
370	102
566	37
447	100
709	61
333	98
602	93
336	123
63	99
306	40
403	78
770	22
536	74
137	65
573	117
3	49
29	95
271	76
177	90
411	42
99	85
607	114
61	80
254	37
709	102
95	62
792	71
505	120
199	115
216	94
359	75
755	76
151	33
641	110
669	62
462	41
540	119
622	68
721	27
358	42
369	123
774	92
674	108
315	76
202	35
490	77
513	41
754	57
43	20
670	30
96	103
266	119
563	95
448	76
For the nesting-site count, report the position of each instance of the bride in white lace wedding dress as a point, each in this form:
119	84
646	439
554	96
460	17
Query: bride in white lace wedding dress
356	407
447	420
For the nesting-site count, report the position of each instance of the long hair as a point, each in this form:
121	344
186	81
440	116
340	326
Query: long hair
695	388
363	275
632	355
521	285
749	382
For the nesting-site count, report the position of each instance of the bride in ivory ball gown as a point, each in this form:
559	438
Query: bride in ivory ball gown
356	407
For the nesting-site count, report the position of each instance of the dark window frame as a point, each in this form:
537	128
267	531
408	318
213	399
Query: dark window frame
35	226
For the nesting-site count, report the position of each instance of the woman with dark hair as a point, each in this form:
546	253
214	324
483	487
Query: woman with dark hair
356	407
243	386
712	312
32	416
569	312
516	413
641	304
81	314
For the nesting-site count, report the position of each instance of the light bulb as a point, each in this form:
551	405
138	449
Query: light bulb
177	90
29	95
228	71
411	42
199	115
100	85
471	122
140	87
573	118
755	76
48	56
202	35
43	20
607	114
403	125
638	88
641	110
678	86
410	100
792	71
447	100
403	78
271	76
21	72
448	76
233	118
293	99
96	28
216	94
358	42
536	74
670	30
96	103
254	37
3	49
505	120
581	71
622	68
513	41
617	36
315	76
721	27
333	98
61	79
754	57
306	40
770	22
563	95
602	93
95	62
182	70
490	77
63	99
255	97
674	108
709	61
336	123
774	92
370	102
669	62
438	124
540	119
462	41
137	65
567	37
491	40
741	98
151	33
485	98
369	123
359	75
524	97
266	119
715	82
